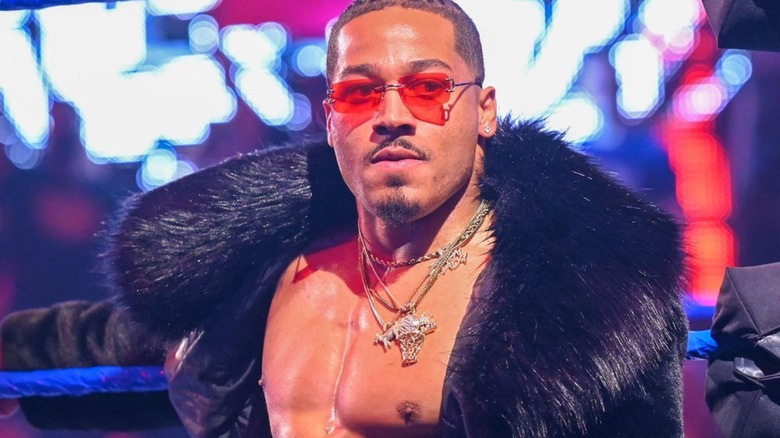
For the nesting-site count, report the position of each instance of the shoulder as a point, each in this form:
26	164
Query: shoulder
334	255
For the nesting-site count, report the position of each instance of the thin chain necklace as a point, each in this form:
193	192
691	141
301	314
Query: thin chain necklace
407	329
380	279
410	262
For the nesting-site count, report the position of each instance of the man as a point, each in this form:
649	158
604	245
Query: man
492	283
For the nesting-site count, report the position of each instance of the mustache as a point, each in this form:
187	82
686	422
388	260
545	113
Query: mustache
400	142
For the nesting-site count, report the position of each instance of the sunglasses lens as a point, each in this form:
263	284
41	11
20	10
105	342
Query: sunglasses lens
355	96
425	89
430	114
422	93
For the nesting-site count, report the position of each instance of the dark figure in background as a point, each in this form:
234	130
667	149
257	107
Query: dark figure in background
427	271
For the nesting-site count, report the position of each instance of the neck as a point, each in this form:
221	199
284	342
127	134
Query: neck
396	242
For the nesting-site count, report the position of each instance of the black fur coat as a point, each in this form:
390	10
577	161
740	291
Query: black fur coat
576	329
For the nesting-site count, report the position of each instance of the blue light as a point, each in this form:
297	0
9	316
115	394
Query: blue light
23	157
309	60
25	97
578	117
161	167
276	33
301	117
204	34
639	70
268	95
180	7
734	68
248	47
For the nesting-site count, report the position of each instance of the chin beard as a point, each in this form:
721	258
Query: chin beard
398	209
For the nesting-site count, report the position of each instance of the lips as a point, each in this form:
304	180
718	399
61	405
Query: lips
394	153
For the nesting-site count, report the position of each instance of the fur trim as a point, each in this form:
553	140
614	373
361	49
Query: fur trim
582	304
179	252
585	293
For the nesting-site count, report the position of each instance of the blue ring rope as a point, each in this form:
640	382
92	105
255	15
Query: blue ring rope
81	381
10	5
111	379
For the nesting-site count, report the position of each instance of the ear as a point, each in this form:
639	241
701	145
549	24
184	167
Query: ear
488	113
328	127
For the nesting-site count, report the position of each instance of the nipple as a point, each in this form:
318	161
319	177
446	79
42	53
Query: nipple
409	412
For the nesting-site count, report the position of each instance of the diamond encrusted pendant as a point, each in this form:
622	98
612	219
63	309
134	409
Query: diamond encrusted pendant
409	332
457	258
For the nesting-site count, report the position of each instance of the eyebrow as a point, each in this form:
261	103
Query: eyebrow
415	66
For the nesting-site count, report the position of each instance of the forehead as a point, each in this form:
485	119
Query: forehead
393	41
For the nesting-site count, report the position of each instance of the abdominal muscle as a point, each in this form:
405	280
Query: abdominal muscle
322	374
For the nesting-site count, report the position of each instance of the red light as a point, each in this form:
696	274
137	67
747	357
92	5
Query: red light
703	187
711	245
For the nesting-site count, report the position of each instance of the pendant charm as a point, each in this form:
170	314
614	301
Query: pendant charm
457	258
410	333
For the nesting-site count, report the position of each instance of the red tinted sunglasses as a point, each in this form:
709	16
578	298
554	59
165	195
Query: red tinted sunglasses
425	94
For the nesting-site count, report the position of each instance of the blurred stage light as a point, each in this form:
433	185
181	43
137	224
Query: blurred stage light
126	107
24	96
699	101
640	76
668	18
118	123
176	102
521	22
711	248
550	60
161	167
23	157
680	45
301	117
578	117
191	96
598	20
702	169
267	95
204	34
13	19
256	52
180	7
734	69
276	33
248	47
75	60
309	60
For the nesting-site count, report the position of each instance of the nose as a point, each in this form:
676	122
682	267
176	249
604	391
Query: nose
393	118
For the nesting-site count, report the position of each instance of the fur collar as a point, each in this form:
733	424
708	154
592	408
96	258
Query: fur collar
583	296
583	299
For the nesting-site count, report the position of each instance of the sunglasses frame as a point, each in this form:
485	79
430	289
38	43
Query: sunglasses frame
450	88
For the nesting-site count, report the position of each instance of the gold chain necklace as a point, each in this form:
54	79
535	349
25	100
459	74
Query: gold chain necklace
410	262
407	329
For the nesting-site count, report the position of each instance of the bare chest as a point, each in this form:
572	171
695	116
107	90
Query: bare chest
324	374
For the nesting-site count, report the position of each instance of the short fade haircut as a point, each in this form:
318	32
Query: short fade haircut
467	41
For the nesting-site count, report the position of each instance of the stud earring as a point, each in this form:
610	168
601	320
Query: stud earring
487	129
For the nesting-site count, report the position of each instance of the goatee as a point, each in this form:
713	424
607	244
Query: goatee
398	209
